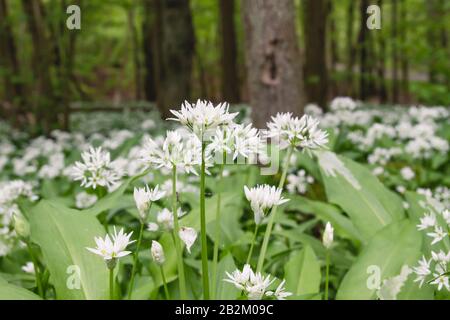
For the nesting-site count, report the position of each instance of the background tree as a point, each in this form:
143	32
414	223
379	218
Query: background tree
273	59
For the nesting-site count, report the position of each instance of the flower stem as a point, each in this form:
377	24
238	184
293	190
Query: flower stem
36	270
205	273
111	283
273	213
176	240
135	260
217	239
252	244
166	290
327	272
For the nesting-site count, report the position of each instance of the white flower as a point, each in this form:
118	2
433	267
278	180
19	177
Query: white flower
446	216
188	236
143	197
112	247
85	200
440	278
298	182
257	286
238	278
327	238
428	220
422	271
203	117
280	292
391	287
303	133
343	103
407	173
441	257
28	267
262	198
157	252
437	235
165	218
96	169
153	227
378	171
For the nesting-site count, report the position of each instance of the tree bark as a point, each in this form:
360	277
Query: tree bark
272	58
363	41
334	56
148	30
316	77
230	77
351	50
131	13
174	52
395	57
381	66
404	59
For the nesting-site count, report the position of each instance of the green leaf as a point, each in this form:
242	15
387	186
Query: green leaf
63	235
370	205
302	273
394	246
11	292
225	290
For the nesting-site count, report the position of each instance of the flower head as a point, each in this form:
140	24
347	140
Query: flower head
327	238
280	293
262	198
157	252
188	236
143	197
112	248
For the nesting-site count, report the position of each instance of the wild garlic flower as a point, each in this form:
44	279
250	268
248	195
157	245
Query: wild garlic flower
254	285
299	182
343	103
157	252
328	235
391	287
422	271
84	200
188	236
202	118
262	198
165	218
407	173
437	235
96	169
235	140
182	152
143	197
303	133
112	247
28	267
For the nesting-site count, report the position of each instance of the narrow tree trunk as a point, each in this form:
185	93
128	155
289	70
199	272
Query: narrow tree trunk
351	50
395	57
381	65
135	51
175	44
363	41
13	90
273	59
332	36
148	31
316	77
404	59
230	78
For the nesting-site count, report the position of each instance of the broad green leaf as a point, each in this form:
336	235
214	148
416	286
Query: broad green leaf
225	290
11	292
394	246
302	273
63	235
370	205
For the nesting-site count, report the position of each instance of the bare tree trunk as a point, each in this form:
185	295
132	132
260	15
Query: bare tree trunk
230	78
175	49
351	50
395	56
404	59
334	56
148	31
273	59
13	90
316	77
131	13
363	41
381	66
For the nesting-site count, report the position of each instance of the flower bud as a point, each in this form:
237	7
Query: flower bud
157	252
327	238
188	236
21	225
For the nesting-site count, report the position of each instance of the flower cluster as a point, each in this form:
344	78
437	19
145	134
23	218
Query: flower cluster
112	247
144	197
262	198
254	285
299	182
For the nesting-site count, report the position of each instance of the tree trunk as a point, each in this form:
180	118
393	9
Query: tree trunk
148	31
404	59
175	49
273	59
131	13
395	57
332	36
9	63
230	78
363	41
351	50
381	66
316	78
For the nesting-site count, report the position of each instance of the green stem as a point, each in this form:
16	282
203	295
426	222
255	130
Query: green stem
273	213
205	273
166	290
217	239
111	284
327	272
135	261
176	239
36	270
252	244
